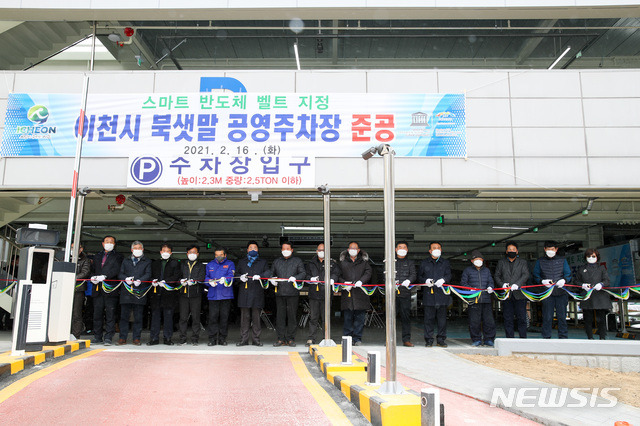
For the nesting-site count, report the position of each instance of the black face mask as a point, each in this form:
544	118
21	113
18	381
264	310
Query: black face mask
512	254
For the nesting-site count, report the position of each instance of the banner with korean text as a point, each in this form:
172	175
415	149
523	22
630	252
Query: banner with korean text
233	140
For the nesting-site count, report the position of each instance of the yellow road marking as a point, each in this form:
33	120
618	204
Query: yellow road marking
328	405
18	385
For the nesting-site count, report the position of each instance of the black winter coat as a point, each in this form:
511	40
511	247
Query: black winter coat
405	270
193	271
315	268
251	293
477	278
142	272
512	272
592	273
159	296
355	270
83	271
111	269
435	269
286	268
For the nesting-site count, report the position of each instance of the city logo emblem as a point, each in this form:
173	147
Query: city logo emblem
38	114
420	119
146	170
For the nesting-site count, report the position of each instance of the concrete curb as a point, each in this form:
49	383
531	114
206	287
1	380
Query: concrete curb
11	365
351	380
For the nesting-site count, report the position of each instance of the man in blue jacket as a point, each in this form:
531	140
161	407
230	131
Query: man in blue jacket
553	271
218	281
435	272
136	273
480	311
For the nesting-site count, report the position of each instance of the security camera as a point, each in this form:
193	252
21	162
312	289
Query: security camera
369	153
323	189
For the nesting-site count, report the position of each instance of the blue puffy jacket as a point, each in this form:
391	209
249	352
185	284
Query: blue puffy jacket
478	278
554	269
215	271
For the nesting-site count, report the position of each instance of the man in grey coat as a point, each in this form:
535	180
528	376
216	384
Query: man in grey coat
513	272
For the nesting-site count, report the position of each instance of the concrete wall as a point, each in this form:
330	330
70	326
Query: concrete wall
533	130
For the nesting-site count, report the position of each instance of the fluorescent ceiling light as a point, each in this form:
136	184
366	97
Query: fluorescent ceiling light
560	57
295	50
515	228
302	228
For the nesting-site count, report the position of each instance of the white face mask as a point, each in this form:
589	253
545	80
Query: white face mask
286	253
192	256
402	253
353	253
592	259
108	246
138	253
321	254
436	253
165	255
550	253
478	262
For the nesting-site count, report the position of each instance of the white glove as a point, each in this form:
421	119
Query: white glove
274	283
154	283
347	286
586	286
489	290
514	287
292	280
546	283
191	282
94	280
256	277
213	282
406	283
222	281
560	283
162	283
429	282
598	286
129	280
183	281
314	279
505	285
102	277
332	281
358	284
439	282
137	283
244	278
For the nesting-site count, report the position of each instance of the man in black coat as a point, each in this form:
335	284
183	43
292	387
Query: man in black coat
251	294
106	269
287	294
513	272
136	273
193	272
315	272
405	276
354	301
434	272
166	273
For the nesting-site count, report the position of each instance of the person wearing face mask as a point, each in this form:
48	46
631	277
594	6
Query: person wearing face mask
315	272
552	270
193	273
594	276
482	327
134	270
217	280
434	272
513	272
405	276
251	294
354	302
286	294
163	302
106	267
83	271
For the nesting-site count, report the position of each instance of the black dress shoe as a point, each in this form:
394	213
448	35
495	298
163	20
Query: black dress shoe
245	343
222	342
257	343
153	342
212	343
278	343
428	344
292	343
168	342
443	344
